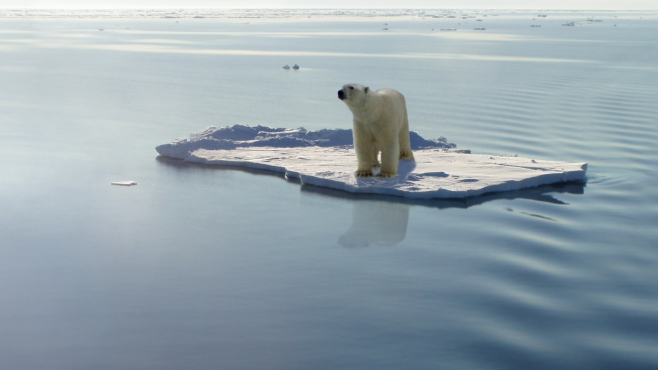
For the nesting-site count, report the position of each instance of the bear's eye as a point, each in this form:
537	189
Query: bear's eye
351	87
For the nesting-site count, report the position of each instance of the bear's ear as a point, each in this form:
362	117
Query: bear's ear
367	89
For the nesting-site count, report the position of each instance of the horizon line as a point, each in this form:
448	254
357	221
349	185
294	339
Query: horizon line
323	8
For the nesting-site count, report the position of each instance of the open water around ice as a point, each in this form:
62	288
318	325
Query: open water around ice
200	267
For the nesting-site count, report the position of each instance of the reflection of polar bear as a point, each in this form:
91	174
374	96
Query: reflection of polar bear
380	125
378	222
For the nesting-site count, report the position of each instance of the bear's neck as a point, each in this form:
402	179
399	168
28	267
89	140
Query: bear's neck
369	110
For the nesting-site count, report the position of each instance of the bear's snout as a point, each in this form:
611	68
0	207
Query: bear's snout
341	94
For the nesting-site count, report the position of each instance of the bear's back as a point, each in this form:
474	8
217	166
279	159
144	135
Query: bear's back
390	92
392	99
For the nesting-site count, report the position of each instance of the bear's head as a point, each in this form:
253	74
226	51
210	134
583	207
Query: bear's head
353	94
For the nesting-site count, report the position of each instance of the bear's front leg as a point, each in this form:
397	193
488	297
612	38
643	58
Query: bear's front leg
390	159
364	147
375	155
364	161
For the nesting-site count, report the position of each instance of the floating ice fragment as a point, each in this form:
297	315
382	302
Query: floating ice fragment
124	183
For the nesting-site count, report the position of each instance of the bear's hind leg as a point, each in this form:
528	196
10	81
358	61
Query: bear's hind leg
390	159
405	143
375	156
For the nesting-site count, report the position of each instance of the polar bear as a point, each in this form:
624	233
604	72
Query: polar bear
380	125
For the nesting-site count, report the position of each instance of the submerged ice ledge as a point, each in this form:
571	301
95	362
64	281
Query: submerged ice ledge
326	158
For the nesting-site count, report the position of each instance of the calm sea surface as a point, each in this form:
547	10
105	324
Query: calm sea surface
215	268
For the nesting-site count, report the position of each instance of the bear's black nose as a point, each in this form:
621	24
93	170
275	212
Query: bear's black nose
341	94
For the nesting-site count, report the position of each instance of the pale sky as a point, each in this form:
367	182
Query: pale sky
329	4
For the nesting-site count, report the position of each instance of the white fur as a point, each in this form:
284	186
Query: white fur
380	125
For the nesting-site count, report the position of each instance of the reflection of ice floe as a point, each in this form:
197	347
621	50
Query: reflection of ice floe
326	158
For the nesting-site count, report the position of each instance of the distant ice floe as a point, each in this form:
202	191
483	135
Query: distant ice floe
124	183
326	158
194	14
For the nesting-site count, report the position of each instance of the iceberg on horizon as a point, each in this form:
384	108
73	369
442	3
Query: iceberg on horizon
326	158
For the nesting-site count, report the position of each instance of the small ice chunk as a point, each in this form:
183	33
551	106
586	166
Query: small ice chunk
124	183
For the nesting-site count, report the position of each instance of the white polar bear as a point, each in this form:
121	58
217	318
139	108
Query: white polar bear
380	125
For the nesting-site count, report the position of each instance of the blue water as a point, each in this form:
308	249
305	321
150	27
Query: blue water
217	268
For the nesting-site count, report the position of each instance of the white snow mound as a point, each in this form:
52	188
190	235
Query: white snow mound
326	158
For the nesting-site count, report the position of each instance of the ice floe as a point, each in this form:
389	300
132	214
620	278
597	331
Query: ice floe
326	158
124	183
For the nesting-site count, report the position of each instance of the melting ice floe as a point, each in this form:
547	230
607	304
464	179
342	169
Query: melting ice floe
326	158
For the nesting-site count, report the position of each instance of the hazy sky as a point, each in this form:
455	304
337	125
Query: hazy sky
326	4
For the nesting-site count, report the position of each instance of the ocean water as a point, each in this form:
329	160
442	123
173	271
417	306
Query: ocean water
217	268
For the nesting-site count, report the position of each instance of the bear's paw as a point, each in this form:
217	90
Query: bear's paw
406	155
